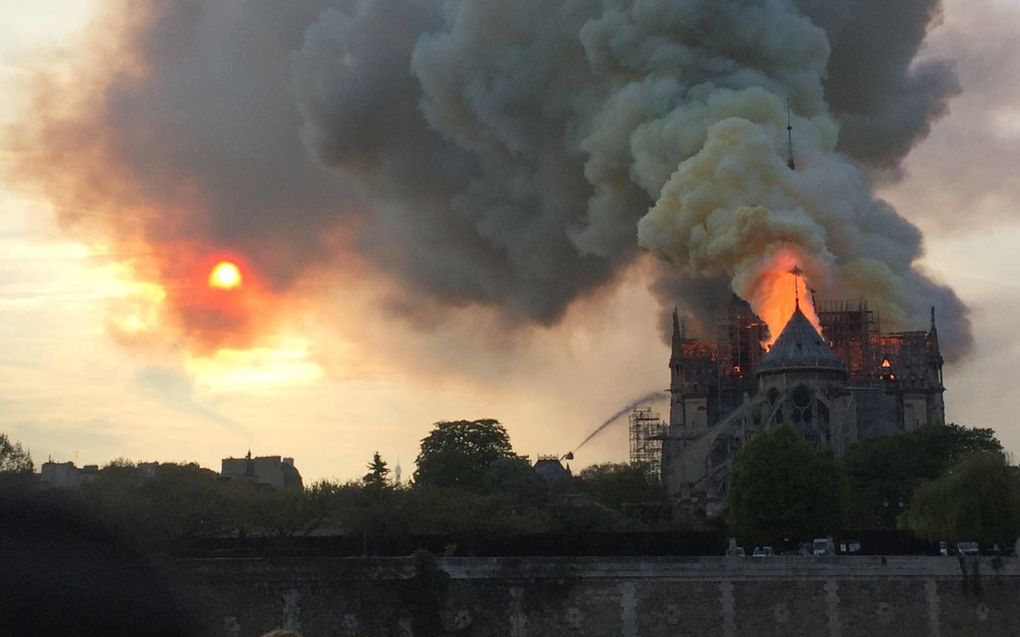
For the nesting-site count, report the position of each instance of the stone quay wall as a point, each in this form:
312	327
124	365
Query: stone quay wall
538	596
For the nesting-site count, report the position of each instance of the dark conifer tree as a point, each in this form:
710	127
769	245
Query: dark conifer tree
378	475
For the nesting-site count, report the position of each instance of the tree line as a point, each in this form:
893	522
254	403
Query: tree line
943	482
938	482
468	482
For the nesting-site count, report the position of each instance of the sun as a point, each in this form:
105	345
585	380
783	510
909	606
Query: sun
225	276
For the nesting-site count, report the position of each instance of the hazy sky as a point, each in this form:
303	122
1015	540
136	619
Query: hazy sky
340	374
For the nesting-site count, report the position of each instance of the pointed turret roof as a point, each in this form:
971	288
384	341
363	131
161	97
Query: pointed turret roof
678	335
800	347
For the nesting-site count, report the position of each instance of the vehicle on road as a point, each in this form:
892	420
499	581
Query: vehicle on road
850	547
967	548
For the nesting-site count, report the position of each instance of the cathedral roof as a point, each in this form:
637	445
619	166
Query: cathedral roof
799	347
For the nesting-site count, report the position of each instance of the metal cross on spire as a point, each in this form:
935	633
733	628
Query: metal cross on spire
796	272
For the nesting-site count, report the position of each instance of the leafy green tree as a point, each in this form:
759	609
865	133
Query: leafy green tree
618	484
189	501
277	512
429	510
14	459
323	506
977	499
16	467
583	516
377	477
458	453
781	487
179	501
884	471
514	479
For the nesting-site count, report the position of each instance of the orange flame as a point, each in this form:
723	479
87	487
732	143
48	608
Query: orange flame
775	297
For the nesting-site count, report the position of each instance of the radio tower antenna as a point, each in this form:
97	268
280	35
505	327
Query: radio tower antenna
789	137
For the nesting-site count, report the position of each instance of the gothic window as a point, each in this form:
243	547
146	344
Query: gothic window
800	406
823	413
773	396
801	397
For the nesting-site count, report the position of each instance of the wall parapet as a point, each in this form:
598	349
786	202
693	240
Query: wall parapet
613	596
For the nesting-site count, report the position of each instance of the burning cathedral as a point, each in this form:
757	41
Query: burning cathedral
826	369
834	377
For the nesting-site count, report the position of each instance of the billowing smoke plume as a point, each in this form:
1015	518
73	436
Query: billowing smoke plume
514	154
882	96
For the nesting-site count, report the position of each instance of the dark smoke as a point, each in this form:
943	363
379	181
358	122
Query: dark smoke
496	153
884	97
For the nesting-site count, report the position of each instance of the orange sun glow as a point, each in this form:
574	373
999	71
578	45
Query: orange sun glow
225	276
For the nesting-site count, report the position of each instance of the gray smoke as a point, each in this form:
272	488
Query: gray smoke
883	96
501	153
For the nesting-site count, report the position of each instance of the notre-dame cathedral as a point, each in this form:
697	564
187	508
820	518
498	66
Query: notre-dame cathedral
850	381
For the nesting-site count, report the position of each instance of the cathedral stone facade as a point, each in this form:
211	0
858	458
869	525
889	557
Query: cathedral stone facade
852	383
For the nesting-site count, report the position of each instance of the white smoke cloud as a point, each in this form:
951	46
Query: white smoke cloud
734	207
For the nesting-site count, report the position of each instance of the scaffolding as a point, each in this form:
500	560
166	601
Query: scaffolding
871	357
852	330
646	433
738	344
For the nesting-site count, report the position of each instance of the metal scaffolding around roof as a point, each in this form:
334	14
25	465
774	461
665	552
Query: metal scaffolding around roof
646	434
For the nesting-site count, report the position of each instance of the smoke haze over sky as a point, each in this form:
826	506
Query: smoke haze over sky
444	209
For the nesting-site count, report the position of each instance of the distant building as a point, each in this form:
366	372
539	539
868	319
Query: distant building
65	475
60	475
553	473
89	473
275	471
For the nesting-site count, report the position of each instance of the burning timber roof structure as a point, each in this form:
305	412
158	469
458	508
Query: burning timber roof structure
849	381
800	346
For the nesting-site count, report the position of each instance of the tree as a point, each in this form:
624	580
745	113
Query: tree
514	479
279	512
458	453
16	467
324	505
180	501
978	499
14	459
428	510
617	484
377	477
884	471
781	487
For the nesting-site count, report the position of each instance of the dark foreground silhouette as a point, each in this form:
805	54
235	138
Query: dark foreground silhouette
65	574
